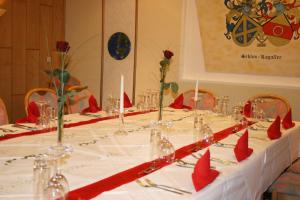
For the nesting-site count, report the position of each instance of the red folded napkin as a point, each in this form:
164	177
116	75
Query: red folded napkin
203	174
274	129
287	121
93	106
248	109
127	103
33	114
241	150
178	103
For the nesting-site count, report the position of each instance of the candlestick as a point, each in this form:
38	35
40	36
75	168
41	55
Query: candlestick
196	91
122	95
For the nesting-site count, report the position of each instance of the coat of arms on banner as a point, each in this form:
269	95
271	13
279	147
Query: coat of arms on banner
277	21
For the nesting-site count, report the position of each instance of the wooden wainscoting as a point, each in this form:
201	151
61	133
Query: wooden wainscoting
28	33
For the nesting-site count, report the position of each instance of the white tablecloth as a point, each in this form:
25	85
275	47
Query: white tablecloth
98	153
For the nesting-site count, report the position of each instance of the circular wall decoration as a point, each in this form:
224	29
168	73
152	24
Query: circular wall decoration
119	45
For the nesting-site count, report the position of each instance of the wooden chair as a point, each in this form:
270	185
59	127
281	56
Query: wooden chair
73	81
79	100
3	113
41	94
287	186
206	99
272	105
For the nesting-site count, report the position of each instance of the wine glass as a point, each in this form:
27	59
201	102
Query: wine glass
166	150
54	190
208	134
155	138
41	175
58	180
198	130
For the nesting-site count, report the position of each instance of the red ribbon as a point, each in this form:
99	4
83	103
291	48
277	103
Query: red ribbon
91	121
116	180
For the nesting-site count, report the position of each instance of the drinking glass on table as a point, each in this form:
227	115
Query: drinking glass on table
166	150
208	134
198	130
41	175
155	137
43	120
51	115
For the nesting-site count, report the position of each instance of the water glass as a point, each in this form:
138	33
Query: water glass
41	176
43	120
208	134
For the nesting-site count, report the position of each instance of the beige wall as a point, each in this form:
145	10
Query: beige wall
238	87
119	16
83	32
159	28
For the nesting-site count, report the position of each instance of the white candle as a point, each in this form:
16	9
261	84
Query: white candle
122	95
196	91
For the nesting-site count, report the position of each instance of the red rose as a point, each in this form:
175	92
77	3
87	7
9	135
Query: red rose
168	54
62	46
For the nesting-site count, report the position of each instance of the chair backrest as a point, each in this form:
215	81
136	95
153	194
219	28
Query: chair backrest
79	101
41	94
3	113
206	99
73	81
272	105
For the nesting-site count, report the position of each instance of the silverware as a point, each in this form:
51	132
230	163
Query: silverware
225	162
158	187
166	186
219	144
6	130
22	126
90	115
182	162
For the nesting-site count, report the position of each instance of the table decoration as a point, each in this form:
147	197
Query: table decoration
274	129
121	130
164	68
287	121
203	174
241	150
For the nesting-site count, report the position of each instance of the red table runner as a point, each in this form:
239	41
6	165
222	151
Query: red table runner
114	181
91	121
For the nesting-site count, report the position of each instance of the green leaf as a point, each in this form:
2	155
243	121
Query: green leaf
66	76
164	62
174	87
166	86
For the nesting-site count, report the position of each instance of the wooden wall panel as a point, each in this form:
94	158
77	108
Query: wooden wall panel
47	2
18	42
5	77
18	106
28	32
5	25
58	21
46	42
32	69
33	24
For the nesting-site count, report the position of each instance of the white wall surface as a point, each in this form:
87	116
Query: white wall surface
83	32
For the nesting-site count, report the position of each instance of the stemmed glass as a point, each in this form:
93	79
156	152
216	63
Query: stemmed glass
198	131
208	134
155	138
166	150
58	186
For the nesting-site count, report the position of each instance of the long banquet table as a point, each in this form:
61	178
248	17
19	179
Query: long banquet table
99	153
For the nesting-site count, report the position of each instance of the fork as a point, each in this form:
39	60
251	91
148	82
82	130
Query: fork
158	187
225	162
22	126
6	130
166	186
